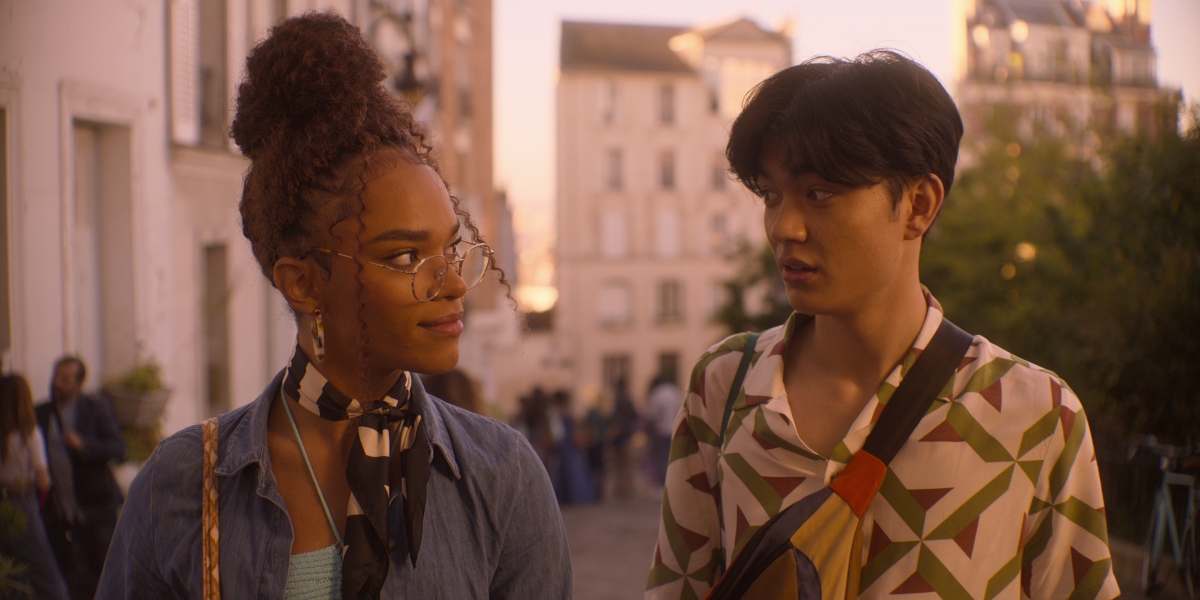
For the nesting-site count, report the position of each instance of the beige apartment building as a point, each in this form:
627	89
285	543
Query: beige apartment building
119	186
1073	68
646	212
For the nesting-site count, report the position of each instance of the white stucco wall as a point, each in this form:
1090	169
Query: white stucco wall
100	62
106	62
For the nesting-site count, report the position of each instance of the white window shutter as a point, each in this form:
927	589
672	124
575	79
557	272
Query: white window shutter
185	71
614	304
614	240
666	235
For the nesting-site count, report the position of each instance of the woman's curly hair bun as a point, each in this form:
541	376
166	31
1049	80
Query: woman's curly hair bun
312	99
313	74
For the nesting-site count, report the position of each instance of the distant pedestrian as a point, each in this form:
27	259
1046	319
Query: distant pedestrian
594	439
624	425
24	477
572	482
82	436
534	422
662	406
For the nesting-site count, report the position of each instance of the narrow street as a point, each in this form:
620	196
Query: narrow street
611	546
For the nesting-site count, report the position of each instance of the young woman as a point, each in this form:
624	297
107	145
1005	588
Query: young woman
24	476
345	479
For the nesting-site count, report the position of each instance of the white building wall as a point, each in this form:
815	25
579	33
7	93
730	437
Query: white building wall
108	63
112	75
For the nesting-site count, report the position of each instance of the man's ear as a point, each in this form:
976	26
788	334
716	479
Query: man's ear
926	195
297	281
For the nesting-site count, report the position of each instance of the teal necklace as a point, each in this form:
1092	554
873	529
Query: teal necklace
311	473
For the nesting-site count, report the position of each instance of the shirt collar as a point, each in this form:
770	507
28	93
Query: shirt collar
764	380
248	440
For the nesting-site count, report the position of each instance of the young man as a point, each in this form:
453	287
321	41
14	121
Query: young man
996	493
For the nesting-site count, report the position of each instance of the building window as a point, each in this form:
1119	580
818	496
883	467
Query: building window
608	102
612	171
666	170
669	308
615	304
666	102
464	104
717	173
1061	61
668	366
666	234
718	297
718	235
216	327
616	368
614	238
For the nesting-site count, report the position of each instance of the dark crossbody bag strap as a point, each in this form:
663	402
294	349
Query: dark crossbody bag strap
736	386
917	391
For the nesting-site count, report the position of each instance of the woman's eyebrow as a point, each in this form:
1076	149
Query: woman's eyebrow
408	235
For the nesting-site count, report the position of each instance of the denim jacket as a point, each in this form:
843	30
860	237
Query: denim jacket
492	526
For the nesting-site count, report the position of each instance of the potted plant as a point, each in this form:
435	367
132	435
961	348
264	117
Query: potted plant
139	396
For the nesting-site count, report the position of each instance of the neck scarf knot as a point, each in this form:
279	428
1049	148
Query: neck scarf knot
365	559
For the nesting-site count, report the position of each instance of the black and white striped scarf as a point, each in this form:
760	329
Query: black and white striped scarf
365	556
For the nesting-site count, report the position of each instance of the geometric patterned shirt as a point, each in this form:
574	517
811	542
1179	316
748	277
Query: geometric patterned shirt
995	495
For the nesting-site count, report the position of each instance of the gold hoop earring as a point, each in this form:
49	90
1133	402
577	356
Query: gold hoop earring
318	335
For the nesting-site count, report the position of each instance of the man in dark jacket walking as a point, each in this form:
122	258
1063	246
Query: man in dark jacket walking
82	436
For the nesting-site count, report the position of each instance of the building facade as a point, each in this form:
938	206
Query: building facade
1074	69
647	215
120	185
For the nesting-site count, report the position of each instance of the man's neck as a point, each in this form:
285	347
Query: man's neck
835	364
866	344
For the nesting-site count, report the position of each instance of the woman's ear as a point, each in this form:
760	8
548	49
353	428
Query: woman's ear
926	195
297	281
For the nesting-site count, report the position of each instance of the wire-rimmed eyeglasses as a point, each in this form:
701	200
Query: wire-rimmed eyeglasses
429	274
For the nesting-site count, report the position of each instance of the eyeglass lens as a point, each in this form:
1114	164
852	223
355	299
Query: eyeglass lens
431	275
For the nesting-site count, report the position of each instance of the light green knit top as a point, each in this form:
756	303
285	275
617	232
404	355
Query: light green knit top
315	575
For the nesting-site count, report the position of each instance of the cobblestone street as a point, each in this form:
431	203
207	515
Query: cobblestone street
611	546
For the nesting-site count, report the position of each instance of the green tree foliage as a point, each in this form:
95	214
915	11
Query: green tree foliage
754	299
1089	268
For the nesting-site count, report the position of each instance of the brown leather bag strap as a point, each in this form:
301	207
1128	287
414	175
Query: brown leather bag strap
209	506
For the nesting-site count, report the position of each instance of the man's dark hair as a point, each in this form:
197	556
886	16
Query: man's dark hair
80	369
877	118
